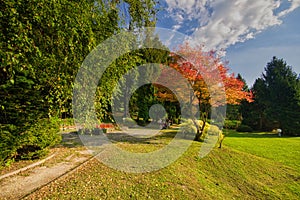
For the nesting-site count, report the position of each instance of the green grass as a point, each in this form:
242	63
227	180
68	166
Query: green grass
268	145
228	173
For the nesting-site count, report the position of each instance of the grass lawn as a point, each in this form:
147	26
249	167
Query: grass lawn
237	171
268	145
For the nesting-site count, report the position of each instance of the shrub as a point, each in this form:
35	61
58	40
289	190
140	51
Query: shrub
31	144
212	130
231	124
36	140
66	122
9	143
188	129
176	121
244	128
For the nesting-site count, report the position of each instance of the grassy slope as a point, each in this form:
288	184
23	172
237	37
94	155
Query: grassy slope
224	174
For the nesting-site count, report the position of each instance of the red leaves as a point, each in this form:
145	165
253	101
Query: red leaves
206	74
105	126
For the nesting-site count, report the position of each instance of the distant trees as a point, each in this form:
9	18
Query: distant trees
276	100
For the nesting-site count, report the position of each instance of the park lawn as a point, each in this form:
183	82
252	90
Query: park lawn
268	145
225	173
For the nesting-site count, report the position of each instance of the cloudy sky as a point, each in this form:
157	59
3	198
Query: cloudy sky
249	32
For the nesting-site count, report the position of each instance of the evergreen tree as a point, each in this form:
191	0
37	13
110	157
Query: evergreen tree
277	102
282	96
253	113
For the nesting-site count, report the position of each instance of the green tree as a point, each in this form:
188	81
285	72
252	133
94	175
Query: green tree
277	102
253	113
282	96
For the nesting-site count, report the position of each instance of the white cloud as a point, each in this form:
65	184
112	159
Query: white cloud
222	23
294	4
188	6
187	10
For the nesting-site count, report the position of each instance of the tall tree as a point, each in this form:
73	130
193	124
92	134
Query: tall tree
253	113
281	89
134	15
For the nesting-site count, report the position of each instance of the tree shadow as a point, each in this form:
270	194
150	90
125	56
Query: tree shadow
124	137
72	139
251	134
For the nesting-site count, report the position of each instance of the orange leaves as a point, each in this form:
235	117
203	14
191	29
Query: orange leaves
207	75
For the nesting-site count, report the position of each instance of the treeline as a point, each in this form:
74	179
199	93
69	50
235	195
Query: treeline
276	100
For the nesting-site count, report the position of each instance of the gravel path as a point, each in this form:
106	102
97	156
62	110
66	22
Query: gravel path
66	158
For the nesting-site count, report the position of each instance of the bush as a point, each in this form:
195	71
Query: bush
9	143
36	140
176	121
244	128
188	129
231	124
212	130
31	144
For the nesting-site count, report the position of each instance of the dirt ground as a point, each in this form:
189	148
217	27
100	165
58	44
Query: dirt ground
68	155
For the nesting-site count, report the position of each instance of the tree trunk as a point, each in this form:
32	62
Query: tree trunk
126	102
199	130
221	138
260	121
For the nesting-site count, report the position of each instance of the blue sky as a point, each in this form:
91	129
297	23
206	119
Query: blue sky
248	33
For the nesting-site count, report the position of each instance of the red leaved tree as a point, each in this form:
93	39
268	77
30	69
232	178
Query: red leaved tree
210	82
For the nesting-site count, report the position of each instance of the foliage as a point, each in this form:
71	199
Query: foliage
129	122
43	44
205	73
188	129
43	134
233	111
9	143
31	144
231	124
277	100
244	128
213	130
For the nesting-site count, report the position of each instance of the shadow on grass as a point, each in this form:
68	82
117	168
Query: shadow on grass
232	133
72	139
164	135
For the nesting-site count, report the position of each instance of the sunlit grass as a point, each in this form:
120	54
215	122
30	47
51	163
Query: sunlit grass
268	145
